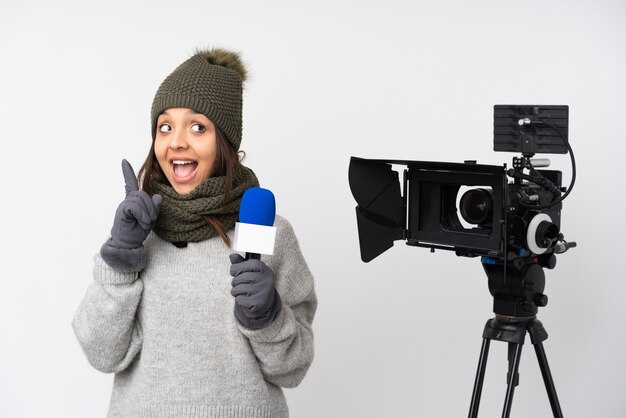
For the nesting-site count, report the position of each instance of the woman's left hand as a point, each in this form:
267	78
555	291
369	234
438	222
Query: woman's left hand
256	300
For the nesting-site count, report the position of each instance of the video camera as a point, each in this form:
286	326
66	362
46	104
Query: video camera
514	225
509	223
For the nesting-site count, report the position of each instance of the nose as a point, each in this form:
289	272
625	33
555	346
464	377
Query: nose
179	140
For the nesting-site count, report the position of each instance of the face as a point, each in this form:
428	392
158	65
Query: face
185	147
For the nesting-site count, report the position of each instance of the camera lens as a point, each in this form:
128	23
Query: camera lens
477	206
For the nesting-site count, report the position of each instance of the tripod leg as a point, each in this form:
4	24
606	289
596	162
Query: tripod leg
480	376
510	356
506	412
547	380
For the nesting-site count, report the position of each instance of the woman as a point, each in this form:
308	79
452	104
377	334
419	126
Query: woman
189	329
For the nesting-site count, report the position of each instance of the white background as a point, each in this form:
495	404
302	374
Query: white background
397	337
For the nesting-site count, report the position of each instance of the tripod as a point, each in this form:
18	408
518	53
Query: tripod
516	298
513	331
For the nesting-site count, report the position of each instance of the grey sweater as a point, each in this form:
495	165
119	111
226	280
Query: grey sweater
170	335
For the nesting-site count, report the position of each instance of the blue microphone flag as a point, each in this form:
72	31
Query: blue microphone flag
258	207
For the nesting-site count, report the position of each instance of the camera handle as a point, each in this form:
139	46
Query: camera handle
540	181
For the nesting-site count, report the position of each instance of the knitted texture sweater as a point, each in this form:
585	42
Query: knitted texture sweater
170	335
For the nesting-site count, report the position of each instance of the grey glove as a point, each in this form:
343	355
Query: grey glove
256	300
133	221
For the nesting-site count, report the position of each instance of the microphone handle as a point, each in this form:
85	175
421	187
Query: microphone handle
253	256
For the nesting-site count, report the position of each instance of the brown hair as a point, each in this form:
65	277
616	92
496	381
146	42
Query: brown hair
227	163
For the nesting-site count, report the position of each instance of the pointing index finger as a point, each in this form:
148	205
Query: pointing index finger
130	180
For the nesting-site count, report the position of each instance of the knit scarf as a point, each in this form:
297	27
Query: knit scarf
183	217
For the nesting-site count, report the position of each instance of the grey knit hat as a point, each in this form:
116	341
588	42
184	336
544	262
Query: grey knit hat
211	83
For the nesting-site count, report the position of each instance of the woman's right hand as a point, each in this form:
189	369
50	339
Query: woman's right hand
135	216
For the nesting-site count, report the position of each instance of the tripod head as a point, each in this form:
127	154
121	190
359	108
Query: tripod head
518	282
516	293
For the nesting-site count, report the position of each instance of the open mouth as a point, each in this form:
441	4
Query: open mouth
183	170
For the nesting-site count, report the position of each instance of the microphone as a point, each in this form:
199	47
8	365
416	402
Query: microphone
255	233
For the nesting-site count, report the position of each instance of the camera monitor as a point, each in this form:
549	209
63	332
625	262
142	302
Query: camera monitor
511	134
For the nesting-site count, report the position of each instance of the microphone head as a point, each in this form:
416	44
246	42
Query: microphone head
258	206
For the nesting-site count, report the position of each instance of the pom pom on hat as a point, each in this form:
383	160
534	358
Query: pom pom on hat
224	58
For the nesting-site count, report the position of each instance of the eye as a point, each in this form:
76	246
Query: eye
196	127
164	127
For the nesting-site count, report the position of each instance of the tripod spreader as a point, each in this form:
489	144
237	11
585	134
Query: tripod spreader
513	331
